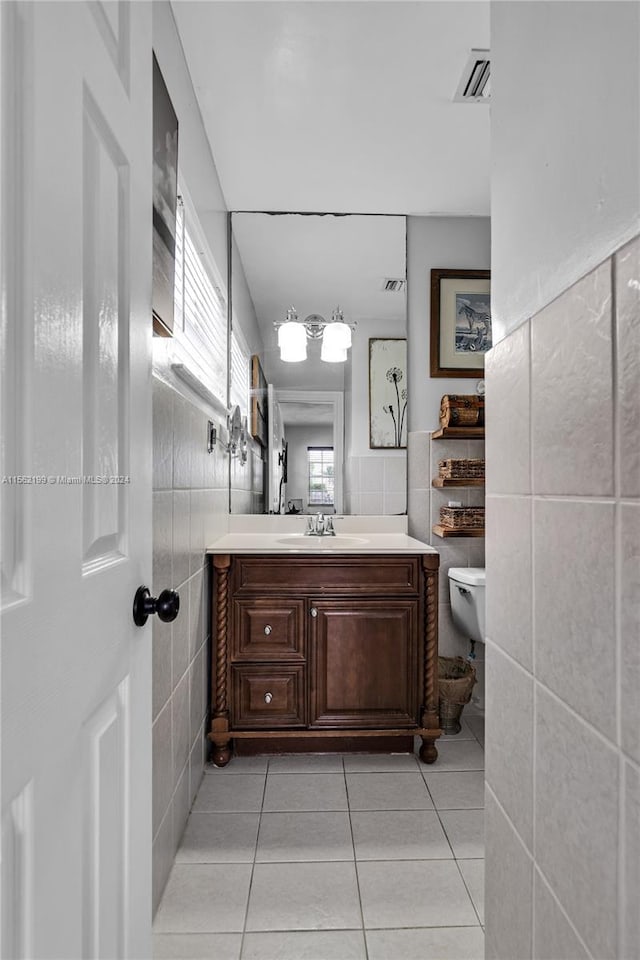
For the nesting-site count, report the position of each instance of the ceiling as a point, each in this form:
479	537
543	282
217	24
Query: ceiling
340	106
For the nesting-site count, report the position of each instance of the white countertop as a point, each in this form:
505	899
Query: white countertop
353	544
278	534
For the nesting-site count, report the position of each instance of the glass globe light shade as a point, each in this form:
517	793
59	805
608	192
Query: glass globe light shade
292	340
332	354
339	334
336	340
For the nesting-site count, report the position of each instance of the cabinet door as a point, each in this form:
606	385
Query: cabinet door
365	670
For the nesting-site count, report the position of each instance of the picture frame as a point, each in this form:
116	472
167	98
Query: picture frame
460	322
165	201
259	403
387	393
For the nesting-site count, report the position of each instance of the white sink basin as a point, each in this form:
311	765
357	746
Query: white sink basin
328	543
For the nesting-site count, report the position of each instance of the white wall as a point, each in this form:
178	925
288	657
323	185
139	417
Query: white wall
565	115
244	313
434	242
563	485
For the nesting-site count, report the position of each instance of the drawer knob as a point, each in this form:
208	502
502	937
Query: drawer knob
313	612
268	697
268	629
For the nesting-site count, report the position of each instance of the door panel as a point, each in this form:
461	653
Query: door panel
106	816
364	663
16	315
76	673
106	179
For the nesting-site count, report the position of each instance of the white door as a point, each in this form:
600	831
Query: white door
76	342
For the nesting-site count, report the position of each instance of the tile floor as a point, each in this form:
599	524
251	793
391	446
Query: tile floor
374	857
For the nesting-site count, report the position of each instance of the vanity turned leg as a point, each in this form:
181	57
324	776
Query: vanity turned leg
428	750
221	741
220	723
430	719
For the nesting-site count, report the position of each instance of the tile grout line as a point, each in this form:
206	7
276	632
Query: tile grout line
253	864
455	859
355	861
466	886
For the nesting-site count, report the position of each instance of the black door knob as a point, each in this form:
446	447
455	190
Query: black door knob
166	605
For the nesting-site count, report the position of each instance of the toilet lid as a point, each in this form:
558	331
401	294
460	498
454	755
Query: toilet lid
474	576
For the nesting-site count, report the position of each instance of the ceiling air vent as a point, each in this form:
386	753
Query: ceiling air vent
475	85
394	285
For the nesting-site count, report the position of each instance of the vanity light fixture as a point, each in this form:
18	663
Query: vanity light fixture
294	333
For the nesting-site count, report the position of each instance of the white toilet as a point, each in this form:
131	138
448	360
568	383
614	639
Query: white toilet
466	591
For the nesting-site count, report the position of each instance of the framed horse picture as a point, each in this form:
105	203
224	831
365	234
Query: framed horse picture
460	322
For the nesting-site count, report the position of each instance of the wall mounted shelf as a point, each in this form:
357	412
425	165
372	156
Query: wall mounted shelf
457	482
441	531
458	433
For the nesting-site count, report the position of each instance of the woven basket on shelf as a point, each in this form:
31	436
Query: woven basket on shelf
461	469
456	679
462	518
461	410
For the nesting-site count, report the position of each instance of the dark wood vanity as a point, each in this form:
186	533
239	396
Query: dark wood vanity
324	653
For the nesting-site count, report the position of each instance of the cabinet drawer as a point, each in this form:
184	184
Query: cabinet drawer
362	576
268	696
268	630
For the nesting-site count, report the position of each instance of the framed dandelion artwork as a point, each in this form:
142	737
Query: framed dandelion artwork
387	394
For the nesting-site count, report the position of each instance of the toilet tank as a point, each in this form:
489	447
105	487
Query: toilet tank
467	592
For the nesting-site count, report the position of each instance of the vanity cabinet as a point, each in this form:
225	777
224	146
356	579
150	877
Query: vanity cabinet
323	653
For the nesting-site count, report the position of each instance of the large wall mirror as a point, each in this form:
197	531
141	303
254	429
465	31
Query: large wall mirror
316	452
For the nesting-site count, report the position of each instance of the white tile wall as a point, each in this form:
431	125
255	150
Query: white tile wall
572	390
509	554
507	409
247	480
190	506
627	271
508	887
629	571
574	622
563	586
376	485
509	741
630	862
553	934
576	819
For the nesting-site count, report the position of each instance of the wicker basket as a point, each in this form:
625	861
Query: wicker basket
456	679
461	469
462	518
461	410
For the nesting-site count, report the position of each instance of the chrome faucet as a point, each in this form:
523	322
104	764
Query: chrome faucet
319	526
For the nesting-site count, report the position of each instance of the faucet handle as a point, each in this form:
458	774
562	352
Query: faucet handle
329	527
310	524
